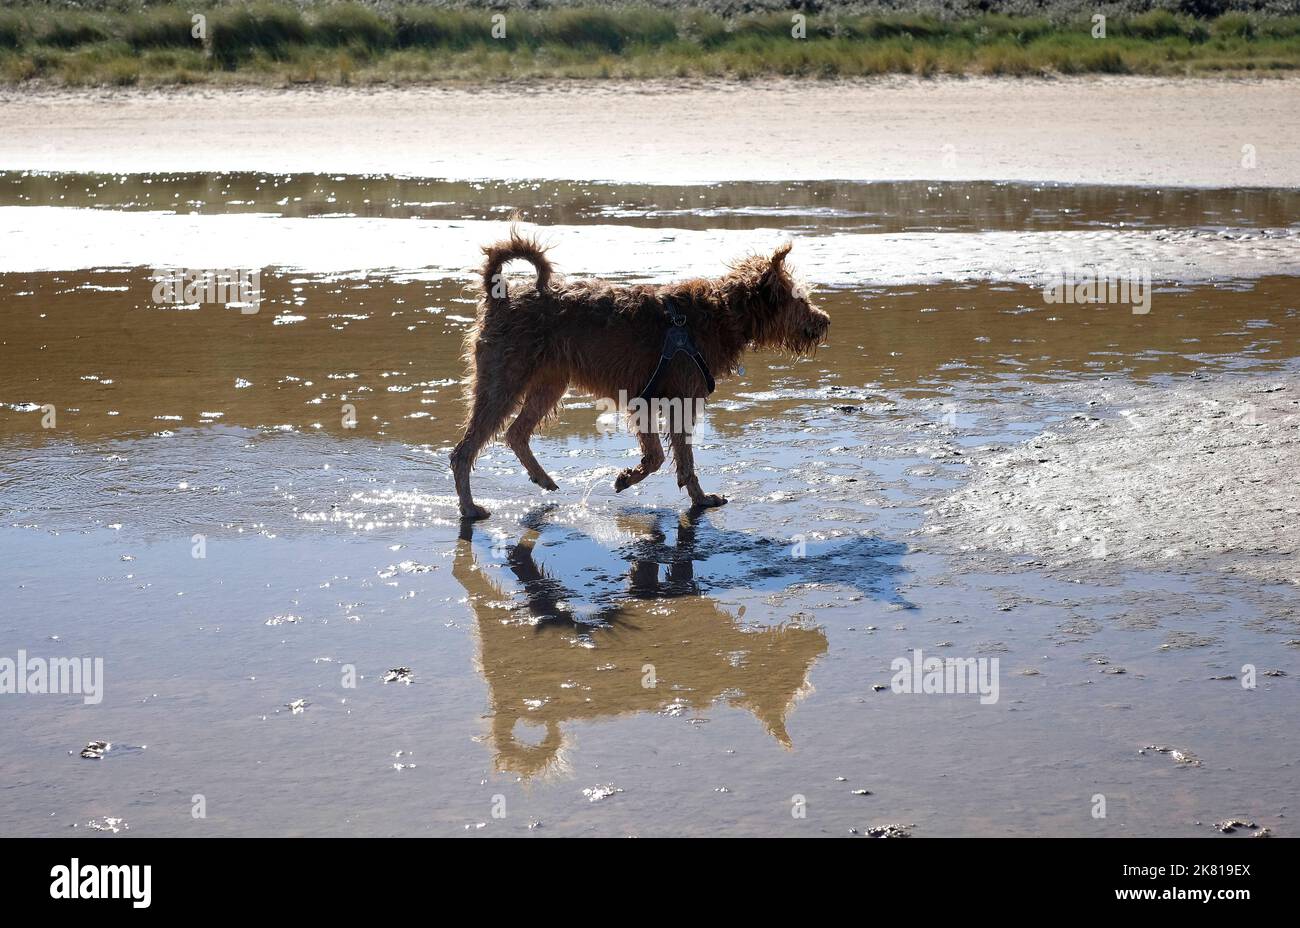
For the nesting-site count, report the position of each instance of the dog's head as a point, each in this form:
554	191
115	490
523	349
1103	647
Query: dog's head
780	314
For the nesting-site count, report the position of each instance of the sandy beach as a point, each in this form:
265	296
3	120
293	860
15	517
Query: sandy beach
1145	131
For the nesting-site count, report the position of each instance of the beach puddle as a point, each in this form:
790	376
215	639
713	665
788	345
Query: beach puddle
211	499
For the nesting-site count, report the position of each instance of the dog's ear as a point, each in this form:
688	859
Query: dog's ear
775	276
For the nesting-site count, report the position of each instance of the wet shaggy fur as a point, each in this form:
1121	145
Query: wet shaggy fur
527	348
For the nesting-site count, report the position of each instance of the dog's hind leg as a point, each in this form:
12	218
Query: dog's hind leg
539	401
491	405
685	461
652	458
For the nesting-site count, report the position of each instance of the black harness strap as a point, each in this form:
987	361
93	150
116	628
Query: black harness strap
676	340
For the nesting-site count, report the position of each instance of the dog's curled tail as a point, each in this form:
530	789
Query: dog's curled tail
515	247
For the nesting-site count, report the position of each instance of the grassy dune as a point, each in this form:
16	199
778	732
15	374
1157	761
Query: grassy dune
346	43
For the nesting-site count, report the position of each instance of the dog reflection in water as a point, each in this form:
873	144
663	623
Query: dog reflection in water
661	648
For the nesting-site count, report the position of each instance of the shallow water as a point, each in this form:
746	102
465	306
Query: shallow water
837	206
531	639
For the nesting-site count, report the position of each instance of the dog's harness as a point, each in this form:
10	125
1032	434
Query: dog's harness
676	340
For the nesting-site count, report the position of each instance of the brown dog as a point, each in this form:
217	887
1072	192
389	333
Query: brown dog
525	350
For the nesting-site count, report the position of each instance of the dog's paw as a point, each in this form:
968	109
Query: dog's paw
545	482
709	501
473	512
623	481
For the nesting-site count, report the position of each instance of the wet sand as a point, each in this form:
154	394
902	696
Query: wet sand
937	477
1148	131
330	548
1200	472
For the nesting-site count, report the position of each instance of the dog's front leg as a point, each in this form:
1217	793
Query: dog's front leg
652	458
685	459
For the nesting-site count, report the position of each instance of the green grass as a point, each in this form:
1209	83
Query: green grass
162	28
280	42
